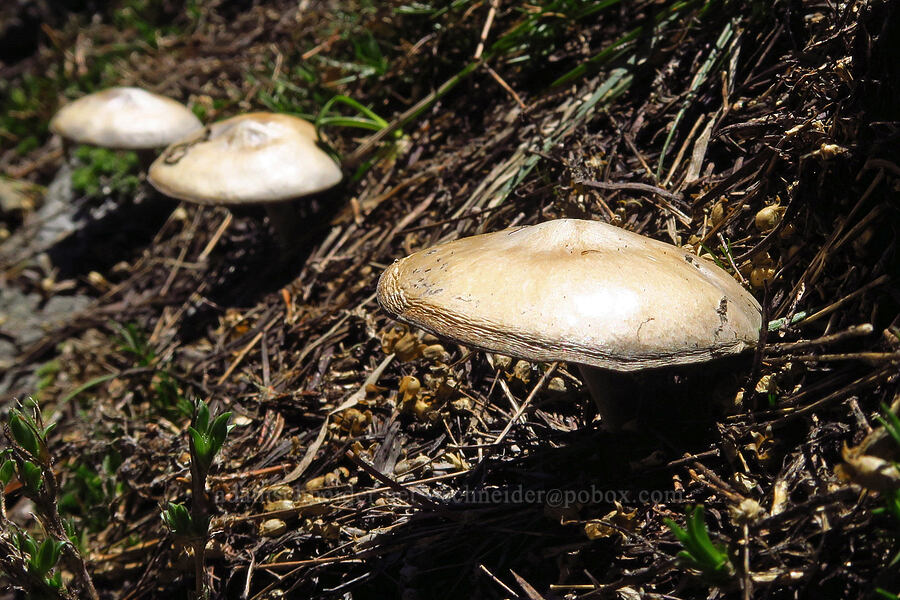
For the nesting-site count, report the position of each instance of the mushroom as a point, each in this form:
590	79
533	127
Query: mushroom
609	300
125	118
257	158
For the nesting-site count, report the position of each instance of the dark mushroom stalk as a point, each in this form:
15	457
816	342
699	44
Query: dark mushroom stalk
609	391
584	292
285	222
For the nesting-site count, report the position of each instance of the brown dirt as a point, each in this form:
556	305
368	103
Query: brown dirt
803	115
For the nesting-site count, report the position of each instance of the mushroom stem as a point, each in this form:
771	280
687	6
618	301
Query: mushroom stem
612	392
146	156
67	147
286	223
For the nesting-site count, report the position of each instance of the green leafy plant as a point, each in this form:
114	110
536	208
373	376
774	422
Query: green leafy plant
87	492
368	52
7	467
46	374
42	558
206	436
700	553
166	396
31	438
132	341
178	519
29	564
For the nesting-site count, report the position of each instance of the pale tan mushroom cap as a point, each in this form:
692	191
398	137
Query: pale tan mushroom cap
125	117
258	157
576	291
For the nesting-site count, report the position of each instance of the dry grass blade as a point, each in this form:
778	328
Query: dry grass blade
760	136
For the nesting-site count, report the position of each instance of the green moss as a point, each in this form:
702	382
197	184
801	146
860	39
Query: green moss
105	172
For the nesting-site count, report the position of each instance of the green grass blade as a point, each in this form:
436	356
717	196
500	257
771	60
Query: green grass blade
372	121
890	422
700	77
595	61
610	51
679	532
356	122
86	386
777	324
702	546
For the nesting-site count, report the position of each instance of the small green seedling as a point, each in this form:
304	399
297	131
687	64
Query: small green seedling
700	553
207	437
132	341
31	477
178	519
29	435
46	374
31	440
88	492
32	565
166	396
42	558
7	467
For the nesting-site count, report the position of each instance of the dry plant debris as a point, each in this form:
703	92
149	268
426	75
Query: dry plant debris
370	460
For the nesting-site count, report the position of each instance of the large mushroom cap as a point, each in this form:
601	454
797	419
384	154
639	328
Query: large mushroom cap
258	157
126	118
577	291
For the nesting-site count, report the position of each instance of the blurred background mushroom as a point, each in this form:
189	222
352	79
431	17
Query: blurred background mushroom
263	159
97	194
611	301
125	118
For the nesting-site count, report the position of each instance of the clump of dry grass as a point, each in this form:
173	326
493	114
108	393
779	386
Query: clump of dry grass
368	459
